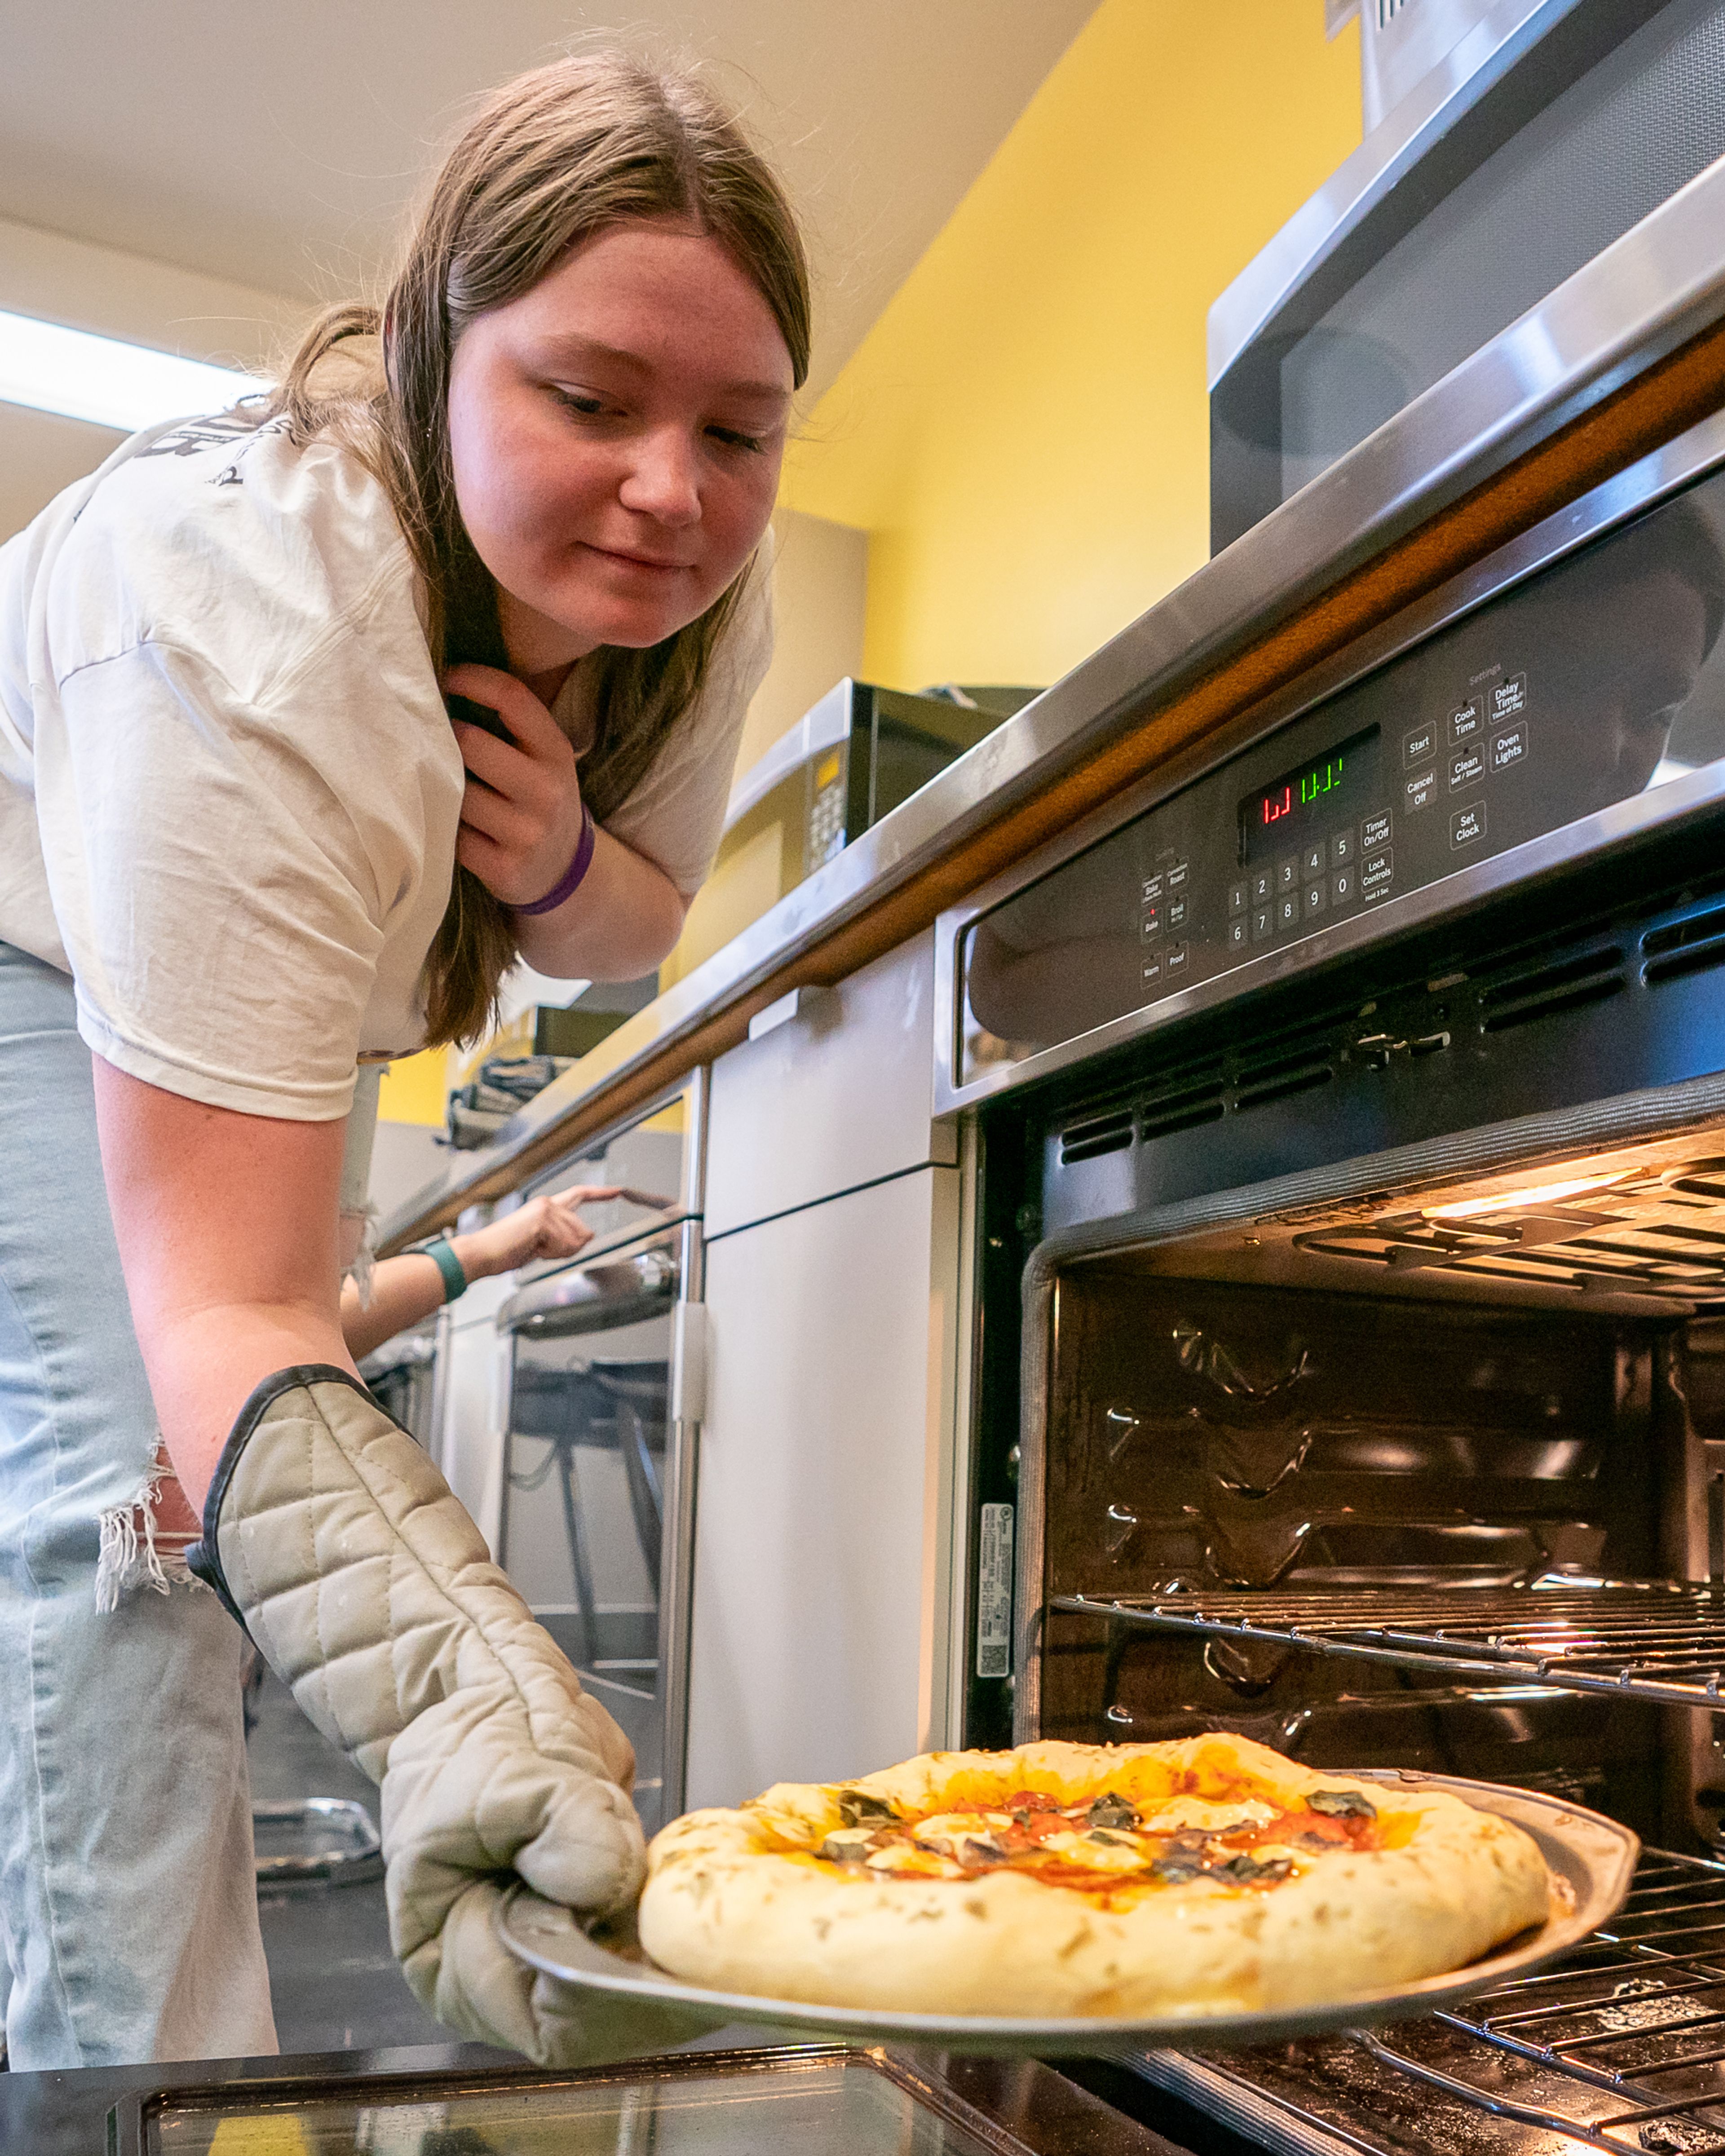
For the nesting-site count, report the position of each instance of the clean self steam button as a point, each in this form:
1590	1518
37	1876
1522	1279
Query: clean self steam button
1467	767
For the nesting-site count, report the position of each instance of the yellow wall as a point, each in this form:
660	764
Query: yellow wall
1024	433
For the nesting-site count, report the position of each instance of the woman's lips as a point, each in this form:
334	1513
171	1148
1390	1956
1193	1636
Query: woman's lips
646	562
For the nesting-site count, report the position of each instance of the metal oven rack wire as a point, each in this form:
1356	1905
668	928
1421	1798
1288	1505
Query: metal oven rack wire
1655	1639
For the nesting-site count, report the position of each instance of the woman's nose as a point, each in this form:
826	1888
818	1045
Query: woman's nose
663	481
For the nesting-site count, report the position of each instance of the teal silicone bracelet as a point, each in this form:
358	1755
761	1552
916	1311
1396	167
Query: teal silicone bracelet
449	1265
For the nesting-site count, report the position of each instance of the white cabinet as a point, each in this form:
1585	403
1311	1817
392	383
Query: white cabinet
473	1393
826	1492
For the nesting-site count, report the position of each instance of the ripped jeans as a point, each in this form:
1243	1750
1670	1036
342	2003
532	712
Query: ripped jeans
128	1906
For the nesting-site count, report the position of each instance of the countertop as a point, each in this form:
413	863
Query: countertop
1618	361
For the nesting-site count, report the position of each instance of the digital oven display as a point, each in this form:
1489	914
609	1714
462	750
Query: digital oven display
1321	791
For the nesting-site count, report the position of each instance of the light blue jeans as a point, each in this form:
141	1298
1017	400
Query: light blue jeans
128	1906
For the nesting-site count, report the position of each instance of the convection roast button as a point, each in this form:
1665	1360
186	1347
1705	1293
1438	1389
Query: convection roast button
1287	873
1311	861
1237	934
1176	956
1178	872
1509	697
1150	922
1341	887
1176	913
1421	746
1288	910
1467	826
1263	886
1153	887
1314	898
1465	721
1510	746
1421	789
1374	833
1375	873
1467	768
1341	848
1263	924
1236	899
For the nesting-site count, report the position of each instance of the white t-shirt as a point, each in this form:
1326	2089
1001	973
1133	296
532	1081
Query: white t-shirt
229	788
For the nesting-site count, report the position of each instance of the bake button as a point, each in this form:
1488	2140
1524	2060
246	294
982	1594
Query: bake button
1176	959
1176	913
1467	768
1421	789
1341	887
1236	899
1237	934
1315	897
1153	888
1420	746
1375	873
1287	911
1465	722
1287	873
1151	969
1263	924
1467	826
1150	922
1508	697
1311	861
1177	874
1341	848
1374	833
1263	886
1510	746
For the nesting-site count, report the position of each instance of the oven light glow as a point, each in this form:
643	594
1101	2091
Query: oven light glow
1514	1201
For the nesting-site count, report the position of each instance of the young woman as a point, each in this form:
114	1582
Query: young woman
244	855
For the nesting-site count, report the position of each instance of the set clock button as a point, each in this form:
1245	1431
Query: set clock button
1467	826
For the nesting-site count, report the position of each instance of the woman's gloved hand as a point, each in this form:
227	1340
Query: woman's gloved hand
369	1591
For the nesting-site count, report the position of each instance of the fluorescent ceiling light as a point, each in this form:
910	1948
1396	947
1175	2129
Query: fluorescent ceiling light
50	368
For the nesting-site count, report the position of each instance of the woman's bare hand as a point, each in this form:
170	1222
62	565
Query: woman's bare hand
549	1227
520	815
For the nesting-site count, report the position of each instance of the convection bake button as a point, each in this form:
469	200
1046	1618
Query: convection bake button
1465	722
1263	886
1236	899
1263	924
1467	768
1153	970
1177	874
1341	848
1341	887
1153	889
1375	873
1176	959
1314	898
1467	826
1287	873
1150	922
1288	910
1510	746
1420	746
1509	697
1237	934
1176	913
1311	861
1374	833
1421	789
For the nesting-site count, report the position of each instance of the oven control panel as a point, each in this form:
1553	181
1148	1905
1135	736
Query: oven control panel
1572	692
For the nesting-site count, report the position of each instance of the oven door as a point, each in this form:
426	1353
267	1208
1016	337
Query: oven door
598	1495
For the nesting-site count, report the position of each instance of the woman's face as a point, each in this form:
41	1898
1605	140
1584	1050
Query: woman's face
616	434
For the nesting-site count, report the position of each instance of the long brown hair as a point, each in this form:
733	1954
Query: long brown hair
558	154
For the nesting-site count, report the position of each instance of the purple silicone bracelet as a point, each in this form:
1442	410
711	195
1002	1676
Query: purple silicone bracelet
570	881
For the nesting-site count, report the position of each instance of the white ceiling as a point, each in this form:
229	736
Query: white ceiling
276	144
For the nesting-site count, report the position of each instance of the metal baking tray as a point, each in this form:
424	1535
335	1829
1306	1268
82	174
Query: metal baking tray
1592	1856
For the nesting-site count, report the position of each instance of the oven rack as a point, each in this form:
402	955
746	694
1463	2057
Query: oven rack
1649	1640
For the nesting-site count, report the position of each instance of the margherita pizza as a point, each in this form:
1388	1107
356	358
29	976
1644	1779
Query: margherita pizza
1207	1876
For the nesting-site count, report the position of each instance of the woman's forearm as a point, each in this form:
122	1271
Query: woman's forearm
403	1290
622	921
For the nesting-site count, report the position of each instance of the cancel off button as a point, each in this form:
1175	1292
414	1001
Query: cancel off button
1467	826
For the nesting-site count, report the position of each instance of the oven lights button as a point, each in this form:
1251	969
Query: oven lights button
1375	874
1508	697
1287	873
1236	899
1152	887
1374	833
1510	746
1421	789
1465	722
1176	913
1341	848
1263	886
1150	923
1421	746
1263	924
1467	826
1177	956
1177	873
1341	887
1237	934
1315	898
1287	911
1467	768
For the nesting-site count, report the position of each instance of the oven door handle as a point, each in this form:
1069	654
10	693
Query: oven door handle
596	1298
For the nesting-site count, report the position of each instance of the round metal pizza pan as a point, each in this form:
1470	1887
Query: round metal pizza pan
1594	1856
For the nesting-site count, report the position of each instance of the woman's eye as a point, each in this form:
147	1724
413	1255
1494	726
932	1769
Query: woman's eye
734	440
579	400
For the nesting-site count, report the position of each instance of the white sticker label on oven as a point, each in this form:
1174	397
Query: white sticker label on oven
994	1598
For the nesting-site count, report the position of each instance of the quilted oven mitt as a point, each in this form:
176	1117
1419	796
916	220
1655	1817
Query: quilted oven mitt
366	1586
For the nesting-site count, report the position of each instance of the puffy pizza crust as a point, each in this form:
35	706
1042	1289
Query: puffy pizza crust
732	1904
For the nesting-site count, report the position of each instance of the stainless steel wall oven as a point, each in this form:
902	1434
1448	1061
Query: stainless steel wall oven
1351	1349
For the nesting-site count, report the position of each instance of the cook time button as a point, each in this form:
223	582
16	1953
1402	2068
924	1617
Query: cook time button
1465	721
